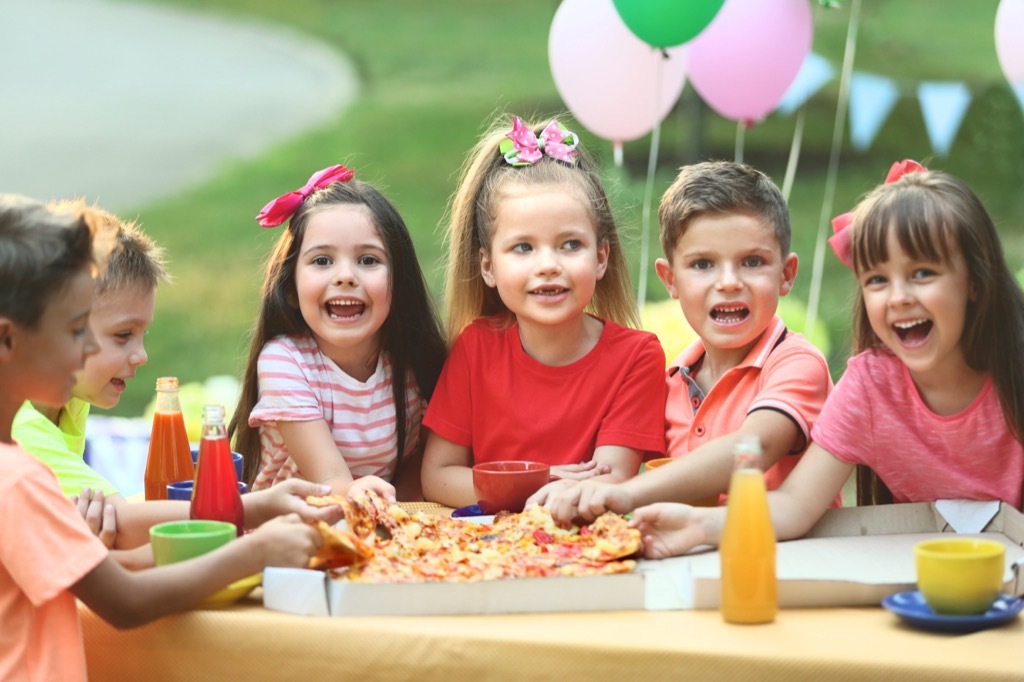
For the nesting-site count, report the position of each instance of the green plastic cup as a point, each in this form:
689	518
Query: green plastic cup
176	541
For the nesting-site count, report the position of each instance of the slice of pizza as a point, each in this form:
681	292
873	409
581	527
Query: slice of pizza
340	548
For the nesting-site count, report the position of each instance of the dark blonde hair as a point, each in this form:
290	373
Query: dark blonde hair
934	215
134	260
484	181
716	188
411	334
41	250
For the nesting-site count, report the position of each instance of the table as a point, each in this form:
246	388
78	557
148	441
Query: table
250	643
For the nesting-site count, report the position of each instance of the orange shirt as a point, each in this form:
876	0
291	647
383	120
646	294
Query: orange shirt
45	548
782	372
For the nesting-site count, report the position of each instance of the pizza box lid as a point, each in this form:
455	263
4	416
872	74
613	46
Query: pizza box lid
854	556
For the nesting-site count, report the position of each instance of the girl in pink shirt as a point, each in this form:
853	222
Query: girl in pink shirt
933	401
346	349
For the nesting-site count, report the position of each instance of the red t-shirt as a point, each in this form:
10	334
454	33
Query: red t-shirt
504	405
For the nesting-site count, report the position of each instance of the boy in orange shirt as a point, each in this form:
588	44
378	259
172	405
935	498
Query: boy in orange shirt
725	232
48	556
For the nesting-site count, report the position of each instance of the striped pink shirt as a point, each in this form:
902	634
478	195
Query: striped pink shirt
299	383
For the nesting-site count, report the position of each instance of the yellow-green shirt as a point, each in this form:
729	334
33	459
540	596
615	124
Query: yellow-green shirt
60	446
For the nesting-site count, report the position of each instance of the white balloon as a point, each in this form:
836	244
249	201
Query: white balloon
607	77
1009	45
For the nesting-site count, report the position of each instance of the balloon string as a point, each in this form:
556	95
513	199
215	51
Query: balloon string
741	128
645	220
794	155
833	168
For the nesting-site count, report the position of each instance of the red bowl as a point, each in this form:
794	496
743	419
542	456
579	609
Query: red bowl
504	486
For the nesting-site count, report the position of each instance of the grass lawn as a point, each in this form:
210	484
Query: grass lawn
434	72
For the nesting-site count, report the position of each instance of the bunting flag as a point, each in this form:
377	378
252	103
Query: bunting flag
943	105
814	74
872	98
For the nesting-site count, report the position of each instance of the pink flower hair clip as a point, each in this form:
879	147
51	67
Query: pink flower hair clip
522	147
281	209
840	241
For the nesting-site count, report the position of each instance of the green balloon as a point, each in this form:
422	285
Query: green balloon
667	23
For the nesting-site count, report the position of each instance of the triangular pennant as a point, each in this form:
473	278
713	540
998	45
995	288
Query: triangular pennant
814	73
1018	90
872	98
943	106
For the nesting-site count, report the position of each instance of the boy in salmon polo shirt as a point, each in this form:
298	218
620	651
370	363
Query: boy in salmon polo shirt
48	555
725	232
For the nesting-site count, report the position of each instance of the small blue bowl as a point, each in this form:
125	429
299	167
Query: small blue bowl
182	490
235	457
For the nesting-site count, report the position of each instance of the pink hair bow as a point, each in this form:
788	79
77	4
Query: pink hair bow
282	208
522	148
840	241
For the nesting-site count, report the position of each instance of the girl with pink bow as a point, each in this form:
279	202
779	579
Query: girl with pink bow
933	400
346	350
544	364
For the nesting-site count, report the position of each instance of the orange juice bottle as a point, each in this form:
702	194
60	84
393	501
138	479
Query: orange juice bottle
170	456
749	588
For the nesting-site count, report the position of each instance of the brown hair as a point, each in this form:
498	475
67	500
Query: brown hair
134	261
41	250
721	187
484	181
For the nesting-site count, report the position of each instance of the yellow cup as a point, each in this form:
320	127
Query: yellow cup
960	576
662	461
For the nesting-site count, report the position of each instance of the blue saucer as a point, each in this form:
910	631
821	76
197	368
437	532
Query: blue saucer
911	607
471	510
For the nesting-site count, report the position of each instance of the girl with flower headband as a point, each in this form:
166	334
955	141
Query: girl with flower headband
543	366
346	349
933	401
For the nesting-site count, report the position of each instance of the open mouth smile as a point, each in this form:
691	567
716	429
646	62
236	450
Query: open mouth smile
549	291
344	310
913	333
729	314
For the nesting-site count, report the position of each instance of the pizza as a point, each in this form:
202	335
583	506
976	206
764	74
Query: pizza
402	547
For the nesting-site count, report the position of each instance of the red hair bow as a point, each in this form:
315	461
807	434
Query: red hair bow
840	240
282	208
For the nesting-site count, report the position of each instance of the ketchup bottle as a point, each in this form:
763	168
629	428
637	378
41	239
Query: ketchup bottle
215	496
170	457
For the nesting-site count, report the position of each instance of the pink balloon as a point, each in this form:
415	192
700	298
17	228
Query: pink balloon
1009	45
750	53
607	77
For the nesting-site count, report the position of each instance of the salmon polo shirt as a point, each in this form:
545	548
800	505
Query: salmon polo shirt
783	372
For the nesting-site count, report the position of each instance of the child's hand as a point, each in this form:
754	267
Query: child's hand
286	541
377	485
583	500
668	529
581	471
101	518
289	497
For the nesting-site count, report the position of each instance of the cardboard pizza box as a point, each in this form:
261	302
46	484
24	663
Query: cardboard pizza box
854	556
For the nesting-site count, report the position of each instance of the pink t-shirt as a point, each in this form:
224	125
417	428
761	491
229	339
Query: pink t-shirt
45	548
503	404
876	417
299	383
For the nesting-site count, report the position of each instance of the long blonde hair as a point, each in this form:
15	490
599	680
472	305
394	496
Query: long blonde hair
483	181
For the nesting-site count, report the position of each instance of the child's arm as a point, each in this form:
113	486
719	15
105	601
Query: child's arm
671	529
702	473
126	599
447	472
134	519
312	446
